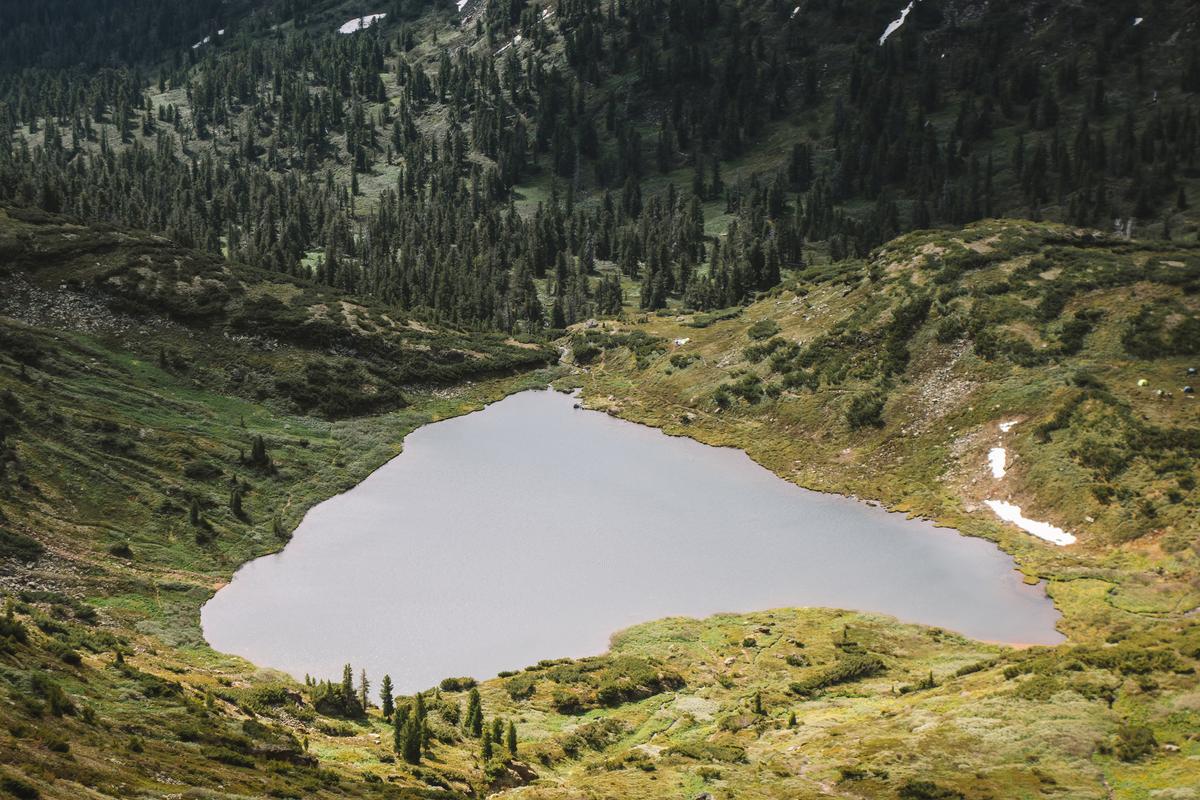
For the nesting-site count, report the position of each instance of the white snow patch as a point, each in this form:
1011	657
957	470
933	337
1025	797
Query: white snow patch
462	4
681	342
1043	530
1137	21
895	24
795	11
360	23
1005	427
998	458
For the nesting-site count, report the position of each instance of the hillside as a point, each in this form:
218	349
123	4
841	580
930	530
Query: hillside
570	153
119	520
952	270
165	417
893	378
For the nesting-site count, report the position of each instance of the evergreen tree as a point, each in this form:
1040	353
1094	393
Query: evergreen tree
386	699
485	747
511	739
400	727
473	722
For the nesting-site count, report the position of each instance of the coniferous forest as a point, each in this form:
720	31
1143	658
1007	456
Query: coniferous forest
939	255
486	183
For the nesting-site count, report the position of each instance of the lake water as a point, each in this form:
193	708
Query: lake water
534	530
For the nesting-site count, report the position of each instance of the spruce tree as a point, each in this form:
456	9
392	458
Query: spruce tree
412	739
485	747
400	727
473	723
386	700
348	697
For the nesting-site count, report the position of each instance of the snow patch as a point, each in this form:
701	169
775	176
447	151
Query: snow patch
206	40
1005	427
360	23
895	24
998	458
681	342
1137	21
462	4
1043	530
795	11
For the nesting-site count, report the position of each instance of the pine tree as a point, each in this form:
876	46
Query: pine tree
511	739
235	501
400	727
473	723
364	687
497	730
412	739
386	700
348	686
485	747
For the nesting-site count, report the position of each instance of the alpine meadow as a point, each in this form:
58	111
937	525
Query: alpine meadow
587	399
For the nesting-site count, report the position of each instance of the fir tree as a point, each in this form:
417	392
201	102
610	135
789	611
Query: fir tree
485	747
386	700
473	722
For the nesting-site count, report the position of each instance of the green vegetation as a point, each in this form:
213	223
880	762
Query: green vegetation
238	268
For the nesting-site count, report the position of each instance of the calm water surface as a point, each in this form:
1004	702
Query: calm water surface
534	530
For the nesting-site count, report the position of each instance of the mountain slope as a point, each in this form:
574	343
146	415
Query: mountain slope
119	520
894	377
390	163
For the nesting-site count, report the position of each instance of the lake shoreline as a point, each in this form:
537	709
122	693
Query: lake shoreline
877	583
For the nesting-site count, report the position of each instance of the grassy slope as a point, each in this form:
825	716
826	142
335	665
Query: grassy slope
1135	566
107	444
102	437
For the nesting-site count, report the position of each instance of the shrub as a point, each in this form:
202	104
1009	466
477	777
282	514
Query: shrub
567	701
19	547
457	684
521	687
950	329
865	410
928	790
120	550
19	788
1135	742
683	360
763	329
584	352
711	751
846	670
